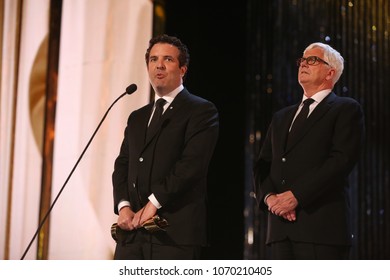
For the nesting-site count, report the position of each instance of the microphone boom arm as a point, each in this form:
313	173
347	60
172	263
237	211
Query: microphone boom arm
129	90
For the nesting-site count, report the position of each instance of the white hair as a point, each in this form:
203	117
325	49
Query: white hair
331	56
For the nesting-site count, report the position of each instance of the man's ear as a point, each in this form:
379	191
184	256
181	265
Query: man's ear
331	74
183	71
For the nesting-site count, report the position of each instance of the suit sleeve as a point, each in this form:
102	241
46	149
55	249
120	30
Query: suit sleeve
120	174
262	181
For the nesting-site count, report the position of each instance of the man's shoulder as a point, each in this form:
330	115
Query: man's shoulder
146	109
286	110
195	100
345	102
333	97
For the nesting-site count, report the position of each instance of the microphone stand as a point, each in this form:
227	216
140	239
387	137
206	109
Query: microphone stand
129	90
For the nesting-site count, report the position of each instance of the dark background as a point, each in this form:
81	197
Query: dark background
215	36
243	57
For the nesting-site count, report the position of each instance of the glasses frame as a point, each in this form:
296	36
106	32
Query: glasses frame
313	58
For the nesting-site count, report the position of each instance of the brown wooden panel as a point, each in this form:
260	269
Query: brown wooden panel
49	127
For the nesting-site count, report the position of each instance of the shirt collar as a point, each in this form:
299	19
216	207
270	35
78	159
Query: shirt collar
319	96
170	96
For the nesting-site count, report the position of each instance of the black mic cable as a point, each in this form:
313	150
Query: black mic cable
129	90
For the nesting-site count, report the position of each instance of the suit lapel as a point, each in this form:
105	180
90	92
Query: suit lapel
140	125
169	112
317	114
287	123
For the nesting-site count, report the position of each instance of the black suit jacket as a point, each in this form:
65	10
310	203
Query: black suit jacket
172	164
315	168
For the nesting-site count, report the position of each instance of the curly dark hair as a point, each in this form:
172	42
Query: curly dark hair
184	56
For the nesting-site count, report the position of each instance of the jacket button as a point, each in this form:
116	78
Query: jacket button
141	159
283	182
284	159
133	185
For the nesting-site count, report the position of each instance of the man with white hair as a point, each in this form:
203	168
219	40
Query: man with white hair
301	175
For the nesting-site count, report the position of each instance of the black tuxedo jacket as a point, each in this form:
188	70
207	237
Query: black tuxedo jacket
172	164
315	168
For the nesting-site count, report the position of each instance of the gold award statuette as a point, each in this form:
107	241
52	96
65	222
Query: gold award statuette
154	224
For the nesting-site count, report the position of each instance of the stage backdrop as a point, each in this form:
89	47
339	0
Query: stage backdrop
101	51
278	32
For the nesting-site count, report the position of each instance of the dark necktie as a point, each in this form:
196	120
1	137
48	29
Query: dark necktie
156	116
300	120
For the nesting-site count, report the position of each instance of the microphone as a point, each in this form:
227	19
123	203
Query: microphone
129	90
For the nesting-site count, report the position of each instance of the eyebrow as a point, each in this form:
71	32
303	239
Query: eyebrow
164	56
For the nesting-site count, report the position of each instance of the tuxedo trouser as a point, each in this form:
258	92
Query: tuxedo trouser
141	248
291	250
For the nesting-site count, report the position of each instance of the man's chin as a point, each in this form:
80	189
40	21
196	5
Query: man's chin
158	86
302	80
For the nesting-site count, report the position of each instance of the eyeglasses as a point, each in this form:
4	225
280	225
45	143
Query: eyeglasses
311	60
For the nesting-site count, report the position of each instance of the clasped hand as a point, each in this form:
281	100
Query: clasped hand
129	220
283	204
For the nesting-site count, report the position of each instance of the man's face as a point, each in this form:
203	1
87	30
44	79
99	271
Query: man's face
315	76
163	67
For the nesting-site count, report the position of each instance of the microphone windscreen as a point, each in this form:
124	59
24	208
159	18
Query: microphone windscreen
131	88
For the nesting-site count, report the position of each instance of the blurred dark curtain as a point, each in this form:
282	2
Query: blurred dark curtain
214	32
277	33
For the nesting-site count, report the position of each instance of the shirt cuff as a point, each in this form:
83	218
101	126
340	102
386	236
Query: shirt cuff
265	198
122	204
154	201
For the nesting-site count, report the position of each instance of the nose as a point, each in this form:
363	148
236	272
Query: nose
304	63
300	62
160	64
